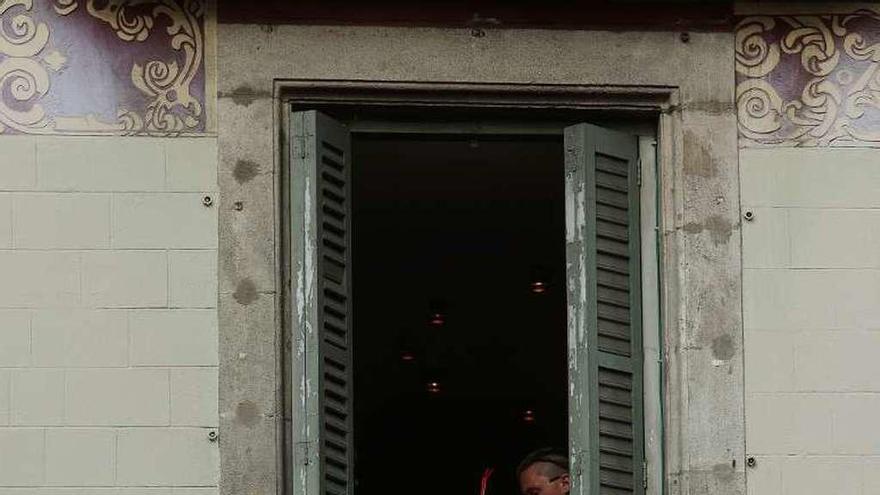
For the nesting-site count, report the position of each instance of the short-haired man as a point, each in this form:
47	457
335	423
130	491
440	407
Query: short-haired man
544	472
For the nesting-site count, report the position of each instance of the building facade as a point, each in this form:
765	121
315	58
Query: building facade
150	335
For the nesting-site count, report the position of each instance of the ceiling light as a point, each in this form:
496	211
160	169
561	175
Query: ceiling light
437	319
540	280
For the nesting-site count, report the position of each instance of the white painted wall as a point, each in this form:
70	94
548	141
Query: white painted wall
811	293
108	320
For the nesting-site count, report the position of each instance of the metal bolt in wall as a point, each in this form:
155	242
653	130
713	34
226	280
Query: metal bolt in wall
208	201
212	436
749	215
751	462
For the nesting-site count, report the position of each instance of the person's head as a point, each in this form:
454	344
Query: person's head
544	472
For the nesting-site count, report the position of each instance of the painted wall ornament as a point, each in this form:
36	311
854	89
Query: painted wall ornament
102	66
809	80
23	80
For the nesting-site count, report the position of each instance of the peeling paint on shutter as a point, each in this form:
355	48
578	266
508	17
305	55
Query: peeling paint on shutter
605	347
321	287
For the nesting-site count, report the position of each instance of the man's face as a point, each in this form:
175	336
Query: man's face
533	481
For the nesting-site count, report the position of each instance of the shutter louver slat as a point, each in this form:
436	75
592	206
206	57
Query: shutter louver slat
601	188
612	279
333	212
619	315
323	146
331	243
613	328
612	247
612	264
610	164
337	258
333	166
612	214
614	345
332	198
612	231
607	195
334	228
333	150
333	178
613	296
622	464
614	412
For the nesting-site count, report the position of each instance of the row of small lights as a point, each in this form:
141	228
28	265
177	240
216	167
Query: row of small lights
438	319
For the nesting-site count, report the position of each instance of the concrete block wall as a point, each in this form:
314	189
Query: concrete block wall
108	316
811	289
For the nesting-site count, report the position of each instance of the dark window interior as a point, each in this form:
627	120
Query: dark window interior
461	227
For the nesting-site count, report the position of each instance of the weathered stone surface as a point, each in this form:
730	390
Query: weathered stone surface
700	211
249	204
249	418
252	57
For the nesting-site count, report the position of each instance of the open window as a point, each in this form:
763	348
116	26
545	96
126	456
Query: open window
321	304
606	436
582	299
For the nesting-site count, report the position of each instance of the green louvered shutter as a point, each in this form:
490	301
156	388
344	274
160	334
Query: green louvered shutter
320	240
605	344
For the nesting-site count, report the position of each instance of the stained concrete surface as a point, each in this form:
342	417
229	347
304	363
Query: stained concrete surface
705	431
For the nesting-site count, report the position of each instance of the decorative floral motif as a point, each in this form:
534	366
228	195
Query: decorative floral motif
23	81
165	96
129	27
65	7
809	80
164	82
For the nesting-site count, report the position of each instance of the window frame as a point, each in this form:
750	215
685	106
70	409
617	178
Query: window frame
646	103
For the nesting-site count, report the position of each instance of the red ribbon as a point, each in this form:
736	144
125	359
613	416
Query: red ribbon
484	481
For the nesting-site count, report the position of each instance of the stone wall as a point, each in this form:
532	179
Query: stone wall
811	283
108	248
700	214
108	320
810	172
112	341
